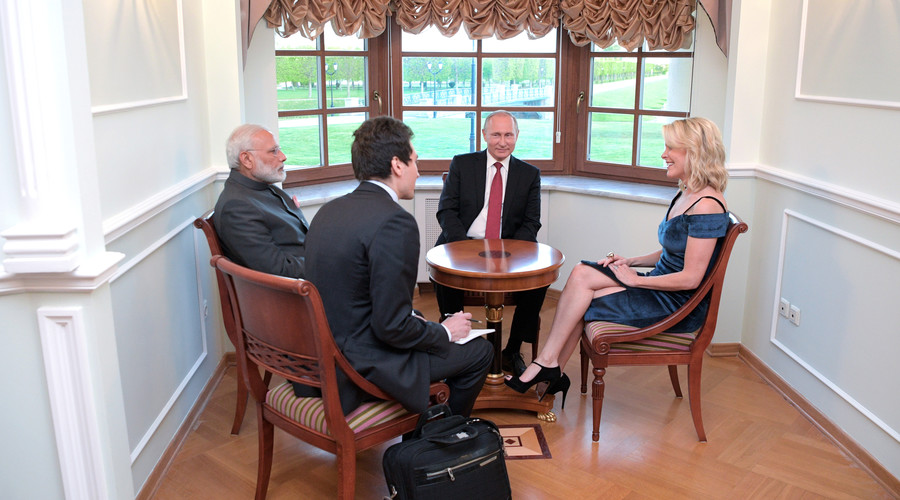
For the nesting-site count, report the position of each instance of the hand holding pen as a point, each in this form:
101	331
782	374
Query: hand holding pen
473	320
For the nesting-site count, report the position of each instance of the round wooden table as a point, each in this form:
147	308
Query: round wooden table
495	267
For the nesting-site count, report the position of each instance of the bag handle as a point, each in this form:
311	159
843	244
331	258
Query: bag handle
458	435
432	413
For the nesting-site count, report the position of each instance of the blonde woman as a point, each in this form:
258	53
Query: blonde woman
612	290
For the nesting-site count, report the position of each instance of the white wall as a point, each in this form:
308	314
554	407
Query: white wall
141	142
824	230
157	163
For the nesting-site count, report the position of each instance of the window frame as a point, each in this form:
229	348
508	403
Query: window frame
617	171
573	76
438	166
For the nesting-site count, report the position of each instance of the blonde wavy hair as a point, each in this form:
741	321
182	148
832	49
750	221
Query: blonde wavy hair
705	152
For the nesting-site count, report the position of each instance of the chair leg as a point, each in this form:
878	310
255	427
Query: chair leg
240	406
673	375
266	444
584	368
694	397
597	394
346	472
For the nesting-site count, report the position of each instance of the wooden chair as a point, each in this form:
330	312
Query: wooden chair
608	344
205	222
283	329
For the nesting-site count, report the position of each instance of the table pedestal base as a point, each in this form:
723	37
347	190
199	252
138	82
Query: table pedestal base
495	394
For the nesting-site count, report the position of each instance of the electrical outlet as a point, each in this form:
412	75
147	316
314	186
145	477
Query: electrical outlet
784	308
795	315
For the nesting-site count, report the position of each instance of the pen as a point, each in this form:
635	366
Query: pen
447	315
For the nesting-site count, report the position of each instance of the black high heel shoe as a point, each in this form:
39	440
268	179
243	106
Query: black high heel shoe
559	385
545	375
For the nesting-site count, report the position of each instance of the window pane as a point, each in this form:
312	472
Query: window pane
340	135
294	42
517	82
438	81
535	139
297	82
300	140
613	83
442	134
334	42
346	81
611	138
521	44
667	84
651	145
431	40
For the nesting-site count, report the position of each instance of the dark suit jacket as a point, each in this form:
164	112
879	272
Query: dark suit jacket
362	253
463	198
260	227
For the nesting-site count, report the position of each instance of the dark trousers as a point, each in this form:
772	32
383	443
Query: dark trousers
464	370
526	320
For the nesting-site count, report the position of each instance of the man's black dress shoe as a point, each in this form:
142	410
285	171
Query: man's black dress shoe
512	363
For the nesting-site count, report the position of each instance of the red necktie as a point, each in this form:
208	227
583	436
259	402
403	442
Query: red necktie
495	204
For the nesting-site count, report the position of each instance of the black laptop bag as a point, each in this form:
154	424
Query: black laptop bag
453	457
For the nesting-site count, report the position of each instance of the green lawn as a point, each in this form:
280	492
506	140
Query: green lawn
610	134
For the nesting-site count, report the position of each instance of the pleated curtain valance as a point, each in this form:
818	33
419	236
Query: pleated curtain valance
662	24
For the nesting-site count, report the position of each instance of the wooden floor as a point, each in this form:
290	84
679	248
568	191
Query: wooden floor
759	446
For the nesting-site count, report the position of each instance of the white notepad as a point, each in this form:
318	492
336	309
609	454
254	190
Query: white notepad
475	333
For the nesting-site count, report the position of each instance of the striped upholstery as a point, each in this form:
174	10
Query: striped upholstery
666	341
309	412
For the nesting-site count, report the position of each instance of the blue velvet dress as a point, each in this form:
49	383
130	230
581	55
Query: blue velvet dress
642	307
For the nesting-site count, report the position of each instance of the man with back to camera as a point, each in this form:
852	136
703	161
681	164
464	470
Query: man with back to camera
362	253
465	211
258	224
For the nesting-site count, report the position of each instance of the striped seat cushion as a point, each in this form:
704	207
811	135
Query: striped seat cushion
310	412
666	341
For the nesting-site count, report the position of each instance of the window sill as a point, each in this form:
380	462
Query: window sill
318	194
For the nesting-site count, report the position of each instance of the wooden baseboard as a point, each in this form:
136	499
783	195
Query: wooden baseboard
723	349
846	443
156	476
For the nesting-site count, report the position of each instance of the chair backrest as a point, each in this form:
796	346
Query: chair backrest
711	286
282	328
205	223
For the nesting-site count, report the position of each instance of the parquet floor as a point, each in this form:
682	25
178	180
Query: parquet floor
759	446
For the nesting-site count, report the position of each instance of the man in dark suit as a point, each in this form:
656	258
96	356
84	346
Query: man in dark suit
259	225
362	253
463	212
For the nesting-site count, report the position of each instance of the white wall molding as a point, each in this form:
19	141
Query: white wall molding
72	402
89	276
788	214
123	222
884	42
202	311
857	200
182	96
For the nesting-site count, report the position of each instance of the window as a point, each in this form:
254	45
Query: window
322	98
630	97
449	85
603	117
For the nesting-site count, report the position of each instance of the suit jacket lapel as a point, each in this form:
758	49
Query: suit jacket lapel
481	179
